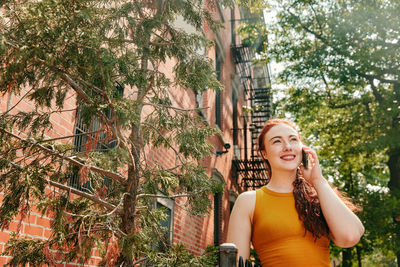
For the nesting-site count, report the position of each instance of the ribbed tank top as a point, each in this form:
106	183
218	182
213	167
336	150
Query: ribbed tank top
279	235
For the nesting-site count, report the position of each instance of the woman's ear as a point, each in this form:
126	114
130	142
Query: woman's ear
263	154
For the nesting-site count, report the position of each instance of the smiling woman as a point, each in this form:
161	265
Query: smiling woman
291	219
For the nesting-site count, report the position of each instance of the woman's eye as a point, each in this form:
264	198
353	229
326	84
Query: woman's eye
293	139
276	141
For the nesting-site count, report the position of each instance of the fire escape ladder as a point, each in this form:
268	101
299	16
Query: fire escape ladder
255	81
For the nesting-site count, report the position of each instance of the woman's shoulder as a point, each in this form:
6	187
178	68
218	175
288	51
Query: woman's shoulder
246	202
247	195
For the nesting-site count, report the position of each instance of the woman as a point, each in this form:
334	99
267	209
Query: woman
291	219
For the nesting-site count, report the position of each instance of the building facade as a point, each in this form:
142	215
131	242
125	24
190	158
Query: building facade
234	162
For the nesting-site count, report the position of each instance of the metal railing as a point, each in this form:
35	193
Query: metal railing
228	255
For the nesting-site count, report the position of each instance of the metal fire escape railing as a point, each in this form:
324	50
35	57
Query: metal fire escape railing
255	80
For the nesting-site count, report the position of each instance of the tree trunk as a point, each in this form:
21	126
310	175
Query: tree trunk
346	257
398	259
359	256
394	167
394	185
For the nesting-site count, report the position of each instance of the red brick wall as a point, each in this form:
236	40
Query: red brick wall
35	225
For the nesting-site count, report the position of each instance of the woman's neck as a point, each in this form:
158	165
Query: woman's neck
282	181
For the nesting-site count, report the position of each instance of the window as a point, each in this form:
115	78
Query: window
217	218
218	212
168	207
87	132
233	36
218	93
234	118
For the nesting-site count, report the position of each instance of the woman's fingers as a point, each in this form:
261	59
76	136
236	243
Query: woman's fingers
311	156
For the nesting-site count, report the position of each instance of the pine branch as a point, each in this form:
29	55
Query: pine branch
112	208
115	210
64	137
19	101
77	88
162	136
175	108
139	261
189	211
103	81
113	175
169	197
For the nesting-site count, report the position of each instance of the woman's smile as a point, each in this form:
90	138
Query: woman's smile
288	157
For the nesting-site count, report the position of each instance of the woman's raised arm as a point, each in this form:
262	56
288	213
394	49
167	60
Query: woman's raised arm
239	229
345	227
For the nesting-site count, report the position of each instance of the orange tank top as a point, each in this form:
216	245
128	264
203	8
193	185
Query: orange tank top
279	235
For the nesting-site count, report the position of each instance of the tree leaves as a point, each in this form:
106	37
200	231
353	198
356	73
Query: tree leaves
341	70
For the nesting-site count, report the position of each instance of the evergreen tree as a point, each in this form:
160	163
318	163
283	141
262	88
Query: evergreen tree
109	55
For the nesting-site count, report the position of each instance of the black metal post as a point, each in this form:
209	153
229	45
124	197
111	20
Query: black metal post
228	254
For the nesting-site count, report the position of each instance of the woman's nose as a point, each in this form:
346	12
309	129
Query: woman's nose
287	145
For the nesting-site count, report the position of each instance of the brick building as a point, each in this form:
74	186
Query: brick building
234	162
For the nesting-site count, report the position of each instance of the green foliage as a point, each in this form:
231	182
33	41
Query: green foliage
255	6
255	259
342	73
109	57
254	35
26	250
379	259
179	256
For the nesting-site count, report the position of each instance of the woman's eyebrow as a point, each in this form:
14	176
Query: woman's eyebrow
278	136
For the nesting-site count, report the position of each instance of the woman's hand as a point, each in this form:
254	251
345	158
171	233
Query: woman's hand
312	173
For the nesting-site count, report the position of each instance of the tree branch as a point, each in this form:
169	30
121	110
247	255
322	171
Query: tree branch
316	17
65	137
170	197
169	144
77	88
379	78
175	108
107	173
377	95
317	35
375	92
331	101
115	129
114	209
19	101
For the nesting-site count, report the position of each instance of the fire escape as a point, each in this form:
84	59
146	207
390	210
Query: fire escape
255	81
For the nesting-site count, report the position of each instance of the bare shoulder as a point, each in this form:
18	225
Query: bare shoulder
247	196
246	203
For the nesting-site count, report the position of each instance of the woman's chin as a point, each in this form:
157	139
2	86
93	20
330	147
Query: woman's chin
288	168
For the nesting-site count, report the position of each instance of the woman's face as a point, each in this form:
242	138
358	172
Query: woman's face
282	147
